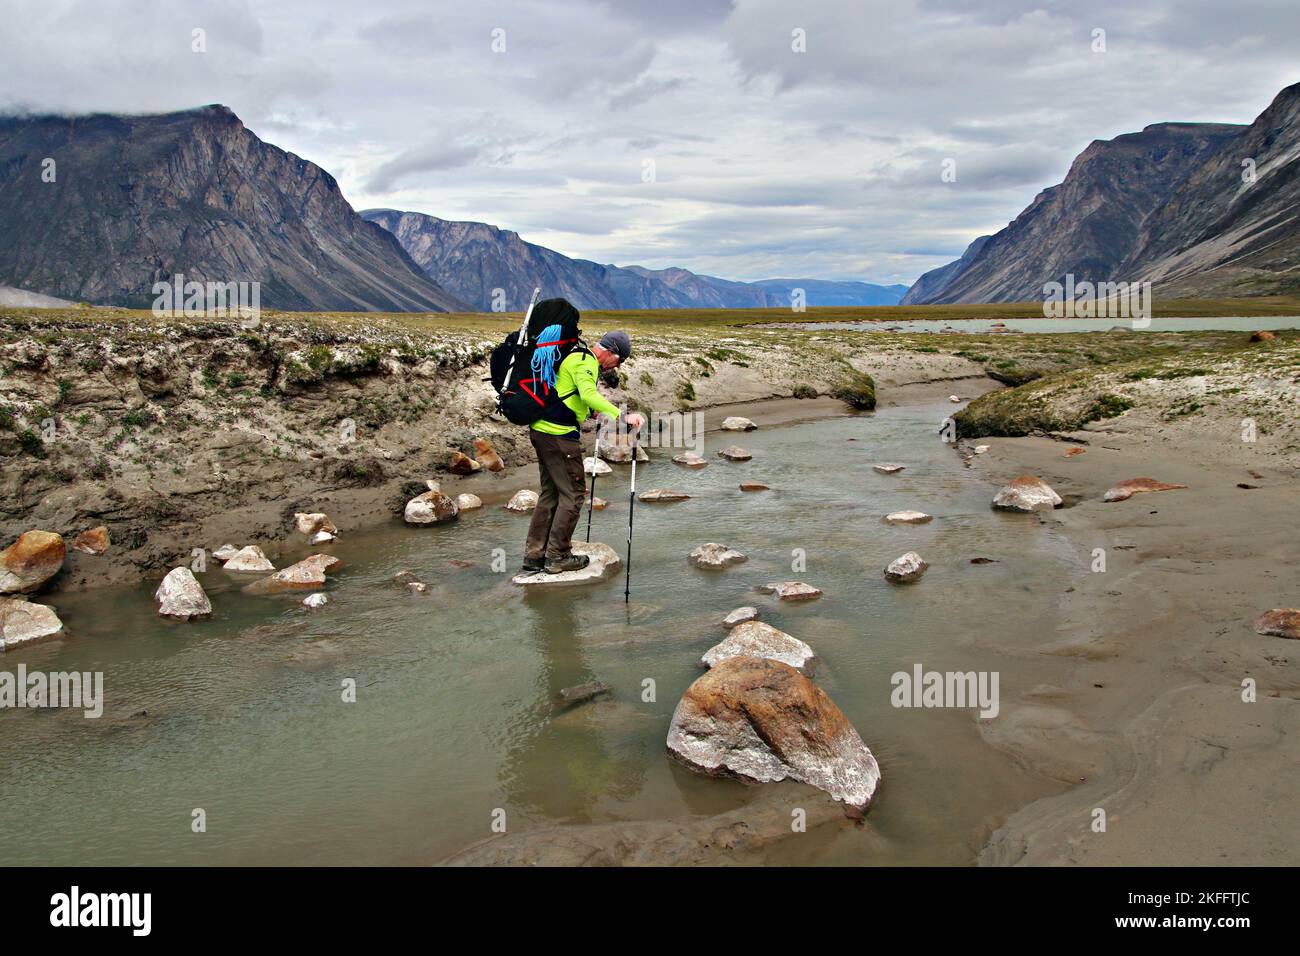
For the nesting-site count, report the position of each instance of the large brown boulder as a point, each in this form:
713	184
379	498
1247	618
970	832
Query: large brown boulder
95	541
1026	493
431	507
181	596
763	721
462	464
1280	622
31	561
1263	335
487	455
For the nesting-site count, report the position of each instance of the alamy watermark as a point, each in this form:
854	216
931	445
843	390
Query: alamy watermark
1098	300
954	689
683	430
73	689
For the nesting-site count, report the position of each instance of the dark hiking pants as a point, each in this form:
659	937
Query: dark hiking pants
559	501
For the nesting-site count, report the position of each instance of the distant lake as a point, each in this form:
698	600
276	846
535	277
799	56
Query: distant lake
1230	323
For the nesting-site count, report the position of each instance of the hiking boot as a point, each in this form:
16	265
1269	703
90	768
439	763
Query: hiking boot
533	565
574	562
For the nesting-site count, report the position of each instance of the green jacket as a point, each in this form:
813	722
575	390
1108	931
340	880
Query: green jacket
578	374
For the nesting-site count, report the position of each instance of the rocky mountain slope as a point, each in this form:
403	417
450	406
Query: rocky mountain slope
471	259
135	199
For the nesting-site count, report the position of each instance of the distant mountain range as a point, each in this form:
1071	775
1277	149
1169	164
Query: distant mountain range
1170	205
472	259
136	199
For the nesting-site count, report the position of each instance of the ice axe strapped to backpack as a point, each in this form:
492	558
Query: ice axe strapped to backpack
524	366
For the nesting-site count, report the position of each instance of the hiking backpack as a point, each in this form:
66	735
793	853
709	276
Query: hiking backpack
525	389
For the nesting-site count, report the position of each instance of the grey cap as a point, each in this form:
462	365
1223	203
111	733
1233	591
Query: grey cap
618	342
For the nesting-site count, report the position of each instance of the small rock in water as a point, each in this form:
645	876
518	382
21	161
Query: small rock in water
735	453
322	537
181	596
522	501
715	556
1127	489
468	502
734	423
753	486
249	558
594	466
315	600
740	615
417	587
34	558
1073	452
662	494
225	552
462	464
981	449
310	522
906	568
790	590
307	573
954	398
889	468
756	639
763	721
690	460
1280	622
618	449
95	541
487	456
22	622
599	504
908	517
983	561
1026	493
581	693
432	507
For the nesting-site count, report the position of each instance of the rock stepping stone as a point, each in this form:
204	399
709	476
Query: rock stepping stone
690	460
315	600
22	622
735	453
249	558
889	468
661	495
908	517
619	450
734	423
906	568
307	574
713	556
763	721
790	590
522	502
431	507
756	639
753	486
594	466
599	504
313	522
181	596
604	562
740	615
1026	493
468	502
1279	622
225	552
1132	486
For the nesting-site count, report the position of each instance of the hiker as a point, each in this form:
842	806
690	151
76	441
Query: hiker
557	439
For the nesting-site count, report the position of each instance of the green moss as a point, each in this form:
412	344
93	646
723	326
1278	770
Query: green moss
647	379
804	391
686	391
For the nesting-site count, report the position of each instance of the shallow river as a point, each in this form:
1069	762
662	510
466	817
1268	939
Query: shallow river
1231	323
455	712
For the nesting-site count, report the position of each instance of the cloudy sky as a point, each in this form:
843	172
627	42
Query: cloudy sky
676	132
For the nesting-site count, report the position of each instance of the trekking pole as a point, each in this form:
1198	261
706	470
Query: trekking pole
631	506
521	338
591	505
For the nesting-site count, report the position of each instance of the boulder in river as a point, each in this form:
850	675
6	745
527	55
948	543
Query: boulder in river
756	639
1280	622
753	486
22	622
908	517
225	552
181	596
618	449
763	721
34	558
715	556
313	522
790	590
906	568
309	573
468	502
95	541
1132	486
734	423
322	537
690	460
1026	493
462	464
889	468
249	558
522	501
604	562
735	453
581	693
598	504
487	455
431	507
740	615
661	495
319	599
594	466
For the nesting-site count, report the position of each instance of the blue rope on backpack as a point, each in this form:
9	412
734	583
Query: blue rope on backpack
544	356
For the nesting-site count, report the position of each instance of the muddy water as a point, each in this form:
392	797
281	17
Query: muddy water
454	716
